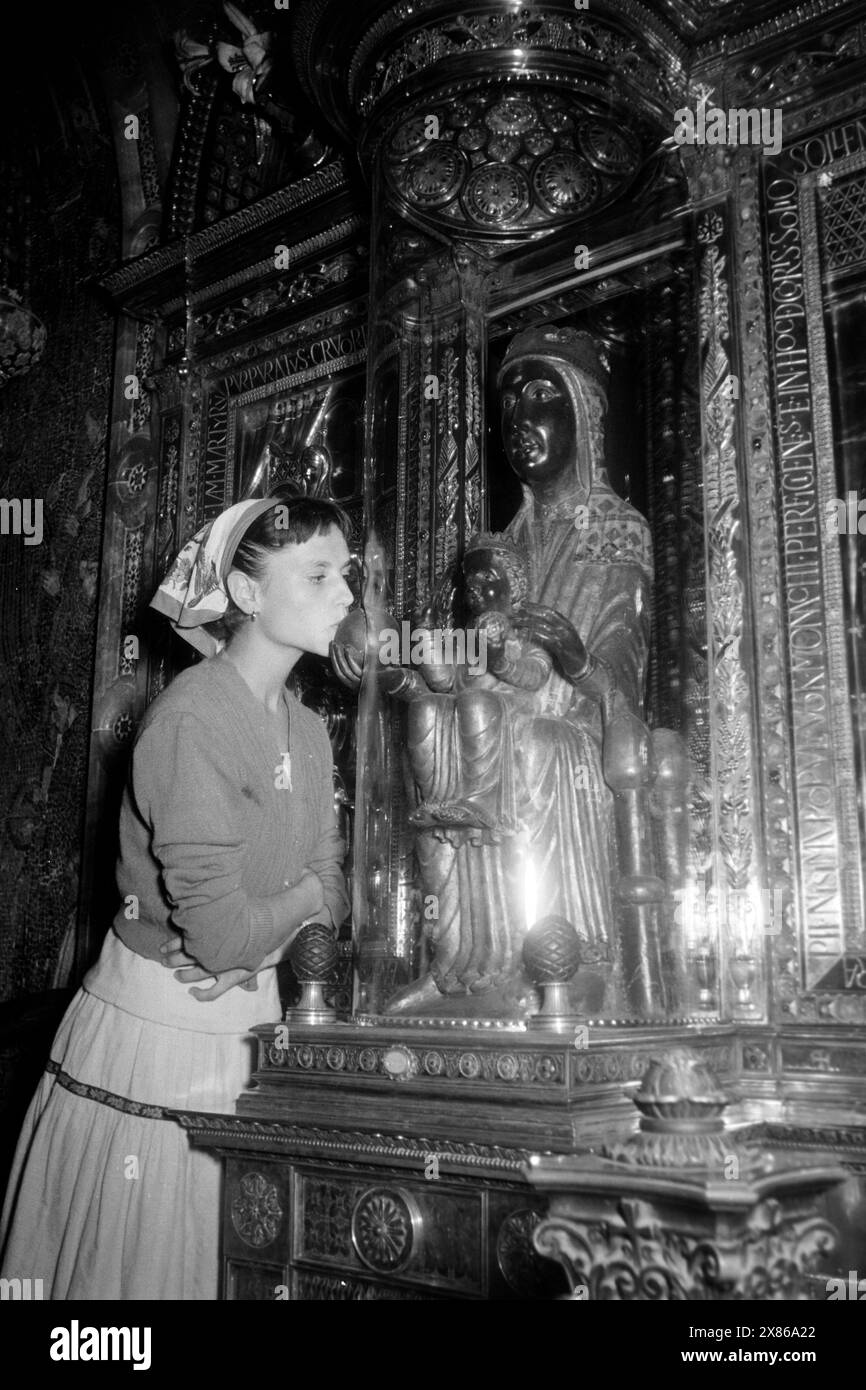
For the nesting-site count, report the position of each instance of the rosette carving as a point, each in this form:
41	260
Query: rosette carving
386	1228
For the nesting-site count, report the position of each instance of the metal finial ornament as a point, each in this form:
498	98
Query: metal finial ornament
314	956
551	955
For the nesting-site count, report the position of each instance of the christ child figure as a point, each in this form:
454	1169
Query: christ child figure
461	713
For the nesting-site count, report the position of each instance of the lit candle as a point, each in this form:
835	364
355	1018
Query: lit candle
530	897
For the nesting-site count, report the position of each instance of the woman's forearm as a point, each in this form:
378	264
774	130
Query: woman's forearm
300	899
291	909
281	953
294	905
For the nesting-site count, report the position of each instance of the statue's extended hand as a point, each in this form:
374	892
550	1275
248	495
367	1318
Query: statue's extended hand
495	627
348	664
551	630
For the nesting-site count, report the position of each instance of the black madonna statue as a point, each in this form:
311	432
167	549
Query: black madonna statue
511	759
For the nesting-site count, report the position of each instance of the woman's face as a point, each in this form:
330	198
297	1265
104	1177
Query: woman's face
304	594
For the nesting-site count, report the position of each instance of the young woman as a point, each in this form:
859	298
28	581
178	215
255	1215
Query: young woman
228	841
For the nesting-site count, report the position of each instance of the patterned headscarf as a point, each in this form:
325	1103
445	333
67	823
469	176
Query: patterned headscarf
194	590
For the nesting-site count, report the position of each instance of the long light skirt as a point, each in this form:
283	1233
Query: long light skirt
103	1204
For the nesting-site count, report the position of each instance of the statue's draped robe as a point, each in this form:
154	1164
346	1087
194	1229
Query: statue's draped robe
543	749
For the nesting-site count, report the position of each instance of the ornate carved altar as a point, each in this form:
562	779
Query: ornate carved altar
520	170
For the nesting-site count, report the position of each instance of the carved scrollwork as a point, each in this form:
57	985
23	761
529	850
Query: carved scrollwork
265	300
636	1253
785	77
524	29
332	1288
256	1211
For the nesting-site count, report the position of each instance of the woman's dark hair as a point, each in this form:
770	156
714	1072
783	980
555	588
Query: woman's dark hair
291	521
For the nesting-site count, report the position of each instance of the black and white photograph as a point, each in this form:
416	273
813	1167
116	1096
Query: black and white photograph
433	667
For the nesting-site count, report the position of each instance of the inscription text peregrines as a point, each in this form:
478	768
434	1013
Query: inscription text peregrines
801	528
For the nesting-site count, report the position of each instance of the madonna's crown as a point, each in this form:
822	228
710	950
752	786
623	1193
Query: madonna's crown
571	345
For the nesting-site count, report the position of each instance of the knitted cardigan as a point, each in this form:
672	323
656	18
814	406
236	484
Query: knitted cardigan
211	830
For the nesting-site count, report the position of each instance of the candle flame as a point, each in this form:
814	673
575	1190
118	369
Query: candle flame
530	893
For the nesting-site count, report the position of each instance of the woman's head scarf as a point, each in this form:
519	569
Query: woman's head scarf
194	591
